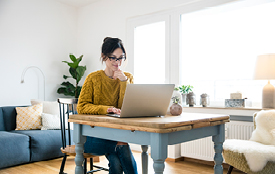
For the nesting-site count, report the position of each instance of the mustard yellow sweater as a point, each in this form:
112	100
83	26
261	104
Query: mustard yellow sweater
99	92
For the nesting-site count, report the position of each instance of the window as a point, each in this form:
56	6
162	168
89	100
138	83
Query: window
220	45
149	53
211	45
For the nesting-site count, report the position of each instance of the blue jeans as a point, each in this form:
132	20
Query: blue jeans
120	157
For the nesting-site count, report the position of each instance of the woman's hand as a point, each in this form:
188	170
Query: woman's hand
113	110
119	75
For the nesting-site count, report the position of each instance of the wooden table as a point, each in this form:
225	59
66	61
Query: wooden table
158	132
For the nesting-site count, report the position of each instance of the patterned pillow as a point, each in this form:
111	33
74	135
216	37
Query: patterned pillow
28	117
50	121
49	107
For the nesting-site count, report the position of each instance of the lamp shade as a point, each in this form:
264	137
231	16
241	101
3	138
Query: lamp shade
265	67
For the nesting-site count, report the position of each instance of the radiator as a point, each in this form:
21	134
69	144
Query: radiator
203	149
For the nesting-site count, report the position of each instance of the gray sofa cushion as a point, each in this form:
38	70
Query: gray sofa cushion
14	149
2	126
9	115
45	144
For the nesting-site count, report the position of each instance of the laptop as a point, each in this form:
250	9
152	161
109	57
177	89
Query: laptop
145	100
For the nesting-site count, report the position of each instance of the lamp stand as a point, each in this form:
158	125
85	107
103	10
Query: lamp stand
23	74
268	98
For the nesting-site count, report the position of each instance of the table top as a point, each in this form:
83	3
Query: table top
164	124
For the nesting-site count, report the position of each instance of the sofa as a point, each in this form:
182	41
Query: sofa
25	146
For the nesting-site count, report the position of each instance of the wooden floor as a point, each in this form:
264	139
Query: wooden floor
52	167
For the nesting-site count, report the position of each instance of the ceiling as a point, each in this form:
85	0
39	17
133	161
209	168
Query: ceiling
77	3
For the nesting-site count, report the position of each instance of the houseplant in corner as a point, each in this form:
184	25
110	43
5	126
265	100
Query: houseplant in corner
76	72
184	90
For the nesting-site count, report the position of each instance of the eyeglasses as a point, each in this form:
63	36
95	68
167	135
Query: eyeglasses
114	59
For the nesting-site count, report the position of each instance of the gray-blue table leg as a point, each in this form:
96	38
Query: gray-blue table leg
144	159
79	141
218	142
159	143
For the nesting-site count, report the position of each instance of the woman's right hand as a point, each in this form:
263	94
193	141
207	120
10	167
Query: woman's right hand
113	110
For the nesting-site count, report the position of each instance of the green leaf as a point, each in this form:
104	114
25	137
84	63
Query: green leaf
79	59
68	89
68	85
65	77
185	88
80	72
63	90
73	73
73	65
72	57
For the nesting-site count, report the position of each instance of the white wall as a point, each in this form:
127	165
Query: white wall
41	33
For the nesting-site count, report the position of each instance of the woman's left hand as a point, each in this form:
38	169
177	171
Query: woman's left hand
119	75
113	110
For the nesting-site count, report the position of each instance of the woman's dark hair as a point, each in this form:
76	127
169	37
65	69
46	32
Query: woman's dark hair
109	45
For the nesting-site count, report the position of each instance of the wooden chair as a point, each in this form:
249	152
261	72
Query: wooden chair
237	159
67	106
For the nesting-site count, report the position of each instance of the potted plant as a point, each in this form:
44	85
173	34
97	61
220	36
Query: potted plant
175	108
76	72
184	90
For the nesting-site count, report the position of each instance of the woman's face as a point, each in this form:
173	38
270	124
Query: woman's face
115	59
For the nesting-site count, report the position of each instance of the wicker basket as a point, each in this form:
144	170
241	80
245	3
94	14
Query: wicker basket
238	161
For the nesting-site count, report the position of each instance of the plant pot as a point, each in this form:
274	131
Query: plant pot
178	95
191	99
175	109
183	99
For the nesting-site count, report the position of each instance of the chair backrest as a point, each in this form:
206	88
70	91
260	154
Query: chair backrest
264	127
254	121
66	106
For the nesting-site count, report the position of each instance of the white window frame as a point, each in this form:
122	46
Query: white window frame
144	20
174	64
172	33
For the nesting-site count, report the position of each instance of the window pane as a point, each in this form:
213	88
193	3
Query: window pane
149	53
219	47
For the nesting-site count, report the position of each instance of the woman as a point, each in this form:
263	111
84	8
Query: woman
102	93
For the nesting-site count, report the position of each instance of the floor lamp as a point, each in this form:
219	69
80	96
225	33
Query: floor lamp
23	74
265	70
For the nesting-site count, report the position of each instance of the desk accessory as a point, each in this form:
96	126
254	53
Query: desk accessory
175	108
204	100
191	99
